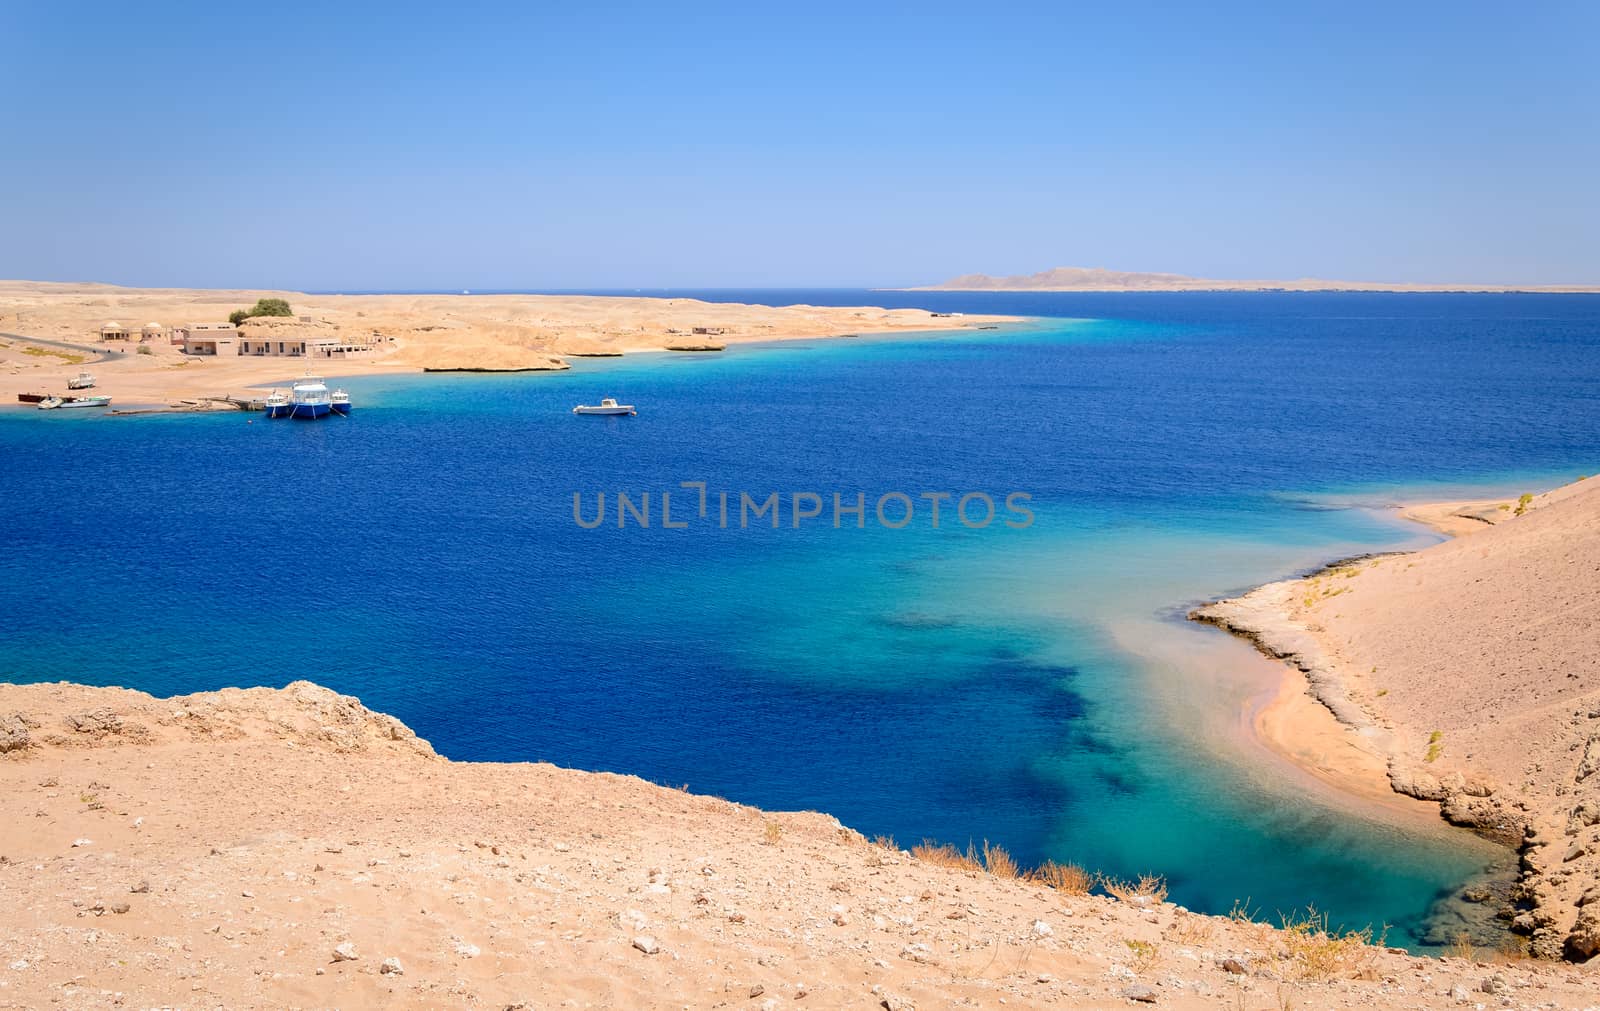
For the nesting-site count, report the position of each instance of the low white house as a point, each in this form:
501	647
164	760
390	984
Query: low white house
208	338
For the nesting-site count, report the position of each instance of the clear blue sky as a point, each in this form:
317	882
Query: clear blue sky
529	145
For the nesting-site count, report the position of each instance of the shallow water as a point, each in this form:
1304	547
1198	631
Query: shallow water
961	684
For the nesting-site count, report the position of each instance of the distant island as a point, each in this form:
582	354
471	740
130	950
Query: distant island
1101	279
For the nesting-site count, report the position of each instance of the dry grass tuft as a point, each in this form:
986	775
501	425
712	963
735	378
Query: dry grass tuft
1192	929
999	863
1320	952
946	855
1069	879
1149	890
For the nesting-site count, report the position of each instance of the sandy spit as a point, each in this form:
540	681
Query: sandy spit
1471	669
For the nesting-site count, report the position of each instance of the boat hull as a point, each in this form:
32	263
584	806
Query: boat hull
85	402
308	412
278	411
339	408
604	410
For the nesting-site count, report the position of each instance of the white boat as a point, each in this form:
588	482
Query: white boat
52	403
608	405
339	400
83	381
277	404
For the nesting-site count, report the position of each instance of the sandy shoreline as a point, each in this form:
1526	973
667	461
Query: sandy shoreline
48	332
1382	652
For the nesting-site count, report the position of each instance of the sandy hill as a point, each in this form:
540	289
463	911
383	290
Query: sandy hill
270	848
1476	665
1101	279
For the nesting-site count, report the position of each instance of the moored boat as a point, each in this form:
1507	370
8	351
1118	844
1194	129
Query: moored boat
309	398
339	401
607	405
53	403
32	398
277	405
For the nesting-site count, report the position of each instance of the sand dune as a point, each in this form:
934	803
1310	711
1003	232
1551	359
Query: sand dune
1474	667
267	848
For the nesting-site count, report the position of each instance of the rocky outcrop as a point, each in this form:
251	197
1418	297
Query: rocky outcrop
14	734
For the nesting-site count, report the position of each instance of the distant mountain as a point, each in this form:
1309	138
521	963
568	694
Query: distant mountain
1101	279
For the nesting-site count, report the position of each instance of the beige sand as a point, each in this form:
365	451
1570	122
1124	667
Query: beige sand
221	850
410	333
1472	670
1101	279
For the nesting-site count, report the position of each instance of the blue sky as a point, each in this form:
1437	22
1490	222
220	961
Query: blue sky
400	145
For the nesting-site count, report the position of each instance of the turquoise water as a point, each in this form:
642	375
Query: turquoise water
1035	687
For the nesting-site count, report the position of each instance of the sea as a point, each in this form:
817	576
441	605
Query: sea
1018	672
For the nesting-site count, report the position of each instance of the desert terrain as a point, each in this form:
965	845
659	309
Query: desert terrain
1471	669
48	332
290	848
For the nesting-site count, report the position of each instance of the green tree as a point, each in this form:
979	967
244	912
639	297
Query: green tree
263	307
271	307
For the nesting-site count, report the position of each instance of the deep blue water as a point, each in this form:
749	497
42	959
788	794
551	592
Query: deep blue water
1030	687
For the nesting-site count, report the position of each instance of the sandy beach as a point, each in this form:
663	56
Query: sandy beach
346	864
406	333
1466	676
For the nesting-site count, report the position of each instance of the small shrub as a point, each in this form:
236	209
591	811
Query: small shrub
1145	955
998	862
1149	890
145	349
1194	929
772	833
1382	692
1461	946
1320	952
1523	503
1435	746
1069	879
946	855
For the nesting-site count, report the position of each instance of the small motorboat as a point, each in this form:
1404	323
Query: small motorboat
82	381
339	401
53	403
277	405
32	398
607	405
